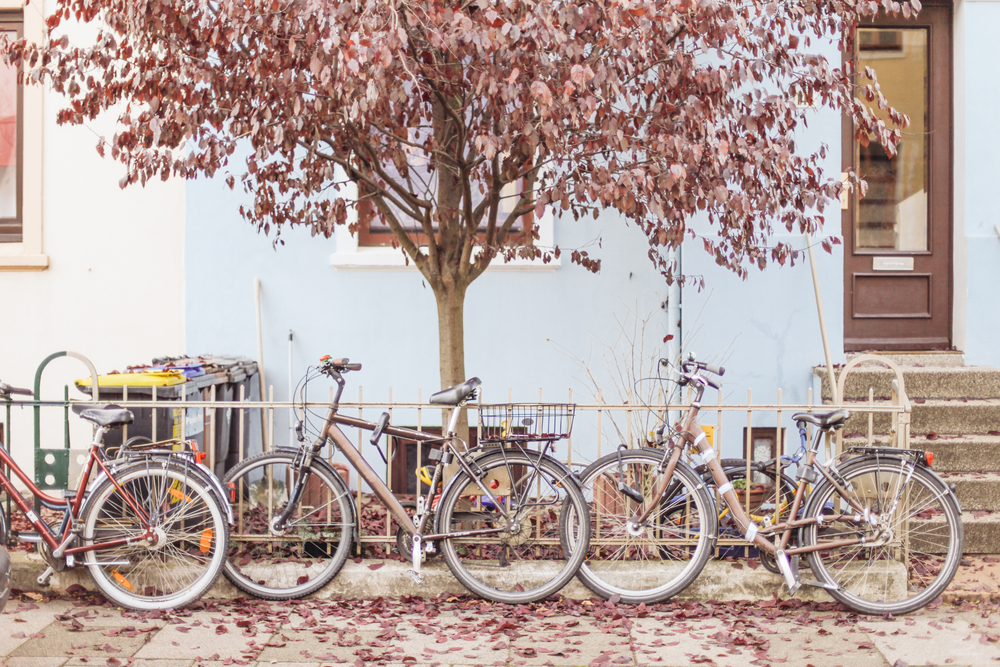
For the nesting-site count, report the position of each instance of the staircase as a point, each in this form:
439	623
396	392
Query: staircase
956	415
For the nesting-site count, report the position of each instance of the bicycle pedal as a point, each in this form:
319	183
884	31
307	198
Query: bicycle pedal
417	579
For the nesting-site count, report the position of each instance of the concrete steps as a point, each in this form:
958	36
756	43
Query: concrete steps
952	453
956	415
939	416
949	382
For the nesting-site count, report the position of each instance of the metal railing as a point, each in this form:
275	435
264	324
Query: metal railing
593	434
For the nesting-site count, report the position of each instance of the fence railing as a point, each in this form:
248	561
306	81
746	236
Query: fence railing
254	426
229	431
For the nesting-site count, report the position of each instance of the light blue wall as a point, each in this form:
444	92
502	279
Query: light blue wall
524	330
981	53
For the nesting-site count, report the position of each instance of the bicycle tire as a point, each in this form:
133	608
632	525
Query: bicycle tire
540	492
192	536
862	576
295	562
674	545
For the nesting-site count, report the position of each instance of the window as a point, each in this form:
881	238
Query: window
893	215
371	247
20	149
10	142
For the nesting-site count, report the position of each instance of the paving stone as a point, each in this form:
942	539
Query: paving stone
22	619
34	661
931	640
289	645
190	641
825	651
137	662
58	639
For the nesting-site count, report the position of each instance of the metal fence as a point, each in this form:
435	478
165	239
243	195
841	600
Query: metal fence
598	429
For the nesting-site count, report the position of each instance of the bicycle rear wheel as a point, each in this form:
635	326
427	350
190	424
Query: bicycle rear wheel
188	548
519	557
907	559
313	545
662	557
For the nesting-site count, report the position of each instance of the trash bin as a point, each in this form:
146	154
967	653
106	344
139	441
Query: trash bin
193	379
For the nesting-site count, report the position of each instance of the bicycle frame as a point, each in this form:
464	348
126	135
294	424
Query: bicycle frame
70	505
754	533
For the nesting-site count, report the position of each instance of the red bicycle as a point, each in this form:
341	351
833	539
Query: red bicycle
150	529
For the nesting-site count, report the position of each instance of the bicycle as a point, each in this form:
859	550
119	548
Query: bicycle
151	533
880	530
499	521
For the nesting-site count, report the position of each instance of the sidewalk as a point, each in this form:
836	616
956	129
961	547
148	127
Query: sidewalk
80	629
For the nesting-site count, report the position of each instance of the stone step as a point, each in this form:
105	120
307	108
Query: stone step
952	453
982	532
943	417
928	382
925	358
976	491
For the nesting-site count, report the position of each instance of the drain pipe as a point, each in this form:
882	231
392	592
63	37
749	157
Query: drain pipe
674	344
822	323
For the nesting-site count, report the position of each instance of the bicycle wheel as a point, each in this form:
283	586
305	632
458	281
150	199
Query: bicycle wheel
662	557
190	538
519	557
908	558
315	541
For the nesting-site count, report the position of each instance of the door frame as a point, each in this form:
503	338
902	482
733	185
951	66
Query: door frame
941	195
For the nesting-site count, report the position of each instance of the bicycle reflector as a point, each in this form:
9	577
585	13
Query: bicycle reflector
928	458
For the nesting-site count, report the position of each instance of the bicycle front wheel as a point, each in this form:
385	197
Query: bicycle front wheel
902	562
184	555
514	551
660	558
312	546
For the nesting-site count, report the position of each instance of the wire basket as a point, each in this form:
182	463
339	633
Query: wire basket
508	422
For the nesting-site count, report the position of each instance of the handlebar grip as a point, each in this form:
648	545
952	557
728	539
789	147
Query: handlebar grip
711	368
7	389
352	367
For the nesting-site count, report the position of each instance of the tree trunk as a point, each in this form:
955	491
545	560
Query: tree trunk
451	342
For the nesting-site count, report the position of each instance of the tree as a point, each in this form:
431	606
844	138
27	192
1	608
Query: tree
440	111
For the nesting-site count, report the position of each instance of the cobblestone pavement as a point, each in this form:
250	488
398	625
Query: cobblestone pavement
82	629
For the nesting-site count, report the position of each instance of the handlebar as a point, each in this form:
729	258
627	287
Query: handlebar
701	365
339	365
6	390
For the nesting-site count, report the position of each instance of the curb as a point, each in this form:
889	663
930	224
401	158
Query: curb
719	581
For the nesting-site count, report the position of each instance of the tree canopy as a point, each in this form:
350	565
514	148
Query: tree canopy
456	119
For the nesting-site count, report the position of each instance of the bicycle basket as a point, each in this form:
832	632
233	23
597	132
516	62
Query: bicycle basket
507	422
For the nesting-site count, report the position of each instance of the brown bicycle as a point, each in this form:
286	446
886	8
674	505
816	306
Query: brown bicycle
500	521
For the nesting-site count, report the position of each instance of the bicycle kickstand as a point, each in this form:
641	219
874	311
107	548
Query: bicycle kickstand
790	570
45	577
417	555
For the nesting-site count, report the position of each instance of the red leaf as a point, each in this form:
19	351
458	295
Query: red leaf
375	566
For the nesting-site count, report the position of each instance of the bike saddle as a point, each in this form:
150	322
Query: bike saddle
108	416
457	394
825	420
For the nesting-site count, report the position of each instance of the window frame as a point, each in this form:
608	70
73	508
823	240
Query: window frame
27	254
352	255
14	23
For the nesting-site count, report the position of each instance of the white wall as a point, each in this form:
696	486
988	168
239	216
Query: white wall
113	290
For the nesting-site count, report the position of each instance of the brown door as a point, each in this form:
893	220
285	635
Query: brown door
898	238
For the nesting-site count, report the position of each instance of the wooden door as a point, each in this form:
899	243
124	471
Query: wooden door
898	238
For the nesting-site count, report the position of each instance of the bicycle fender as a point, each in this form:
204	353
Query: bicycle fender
945	486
